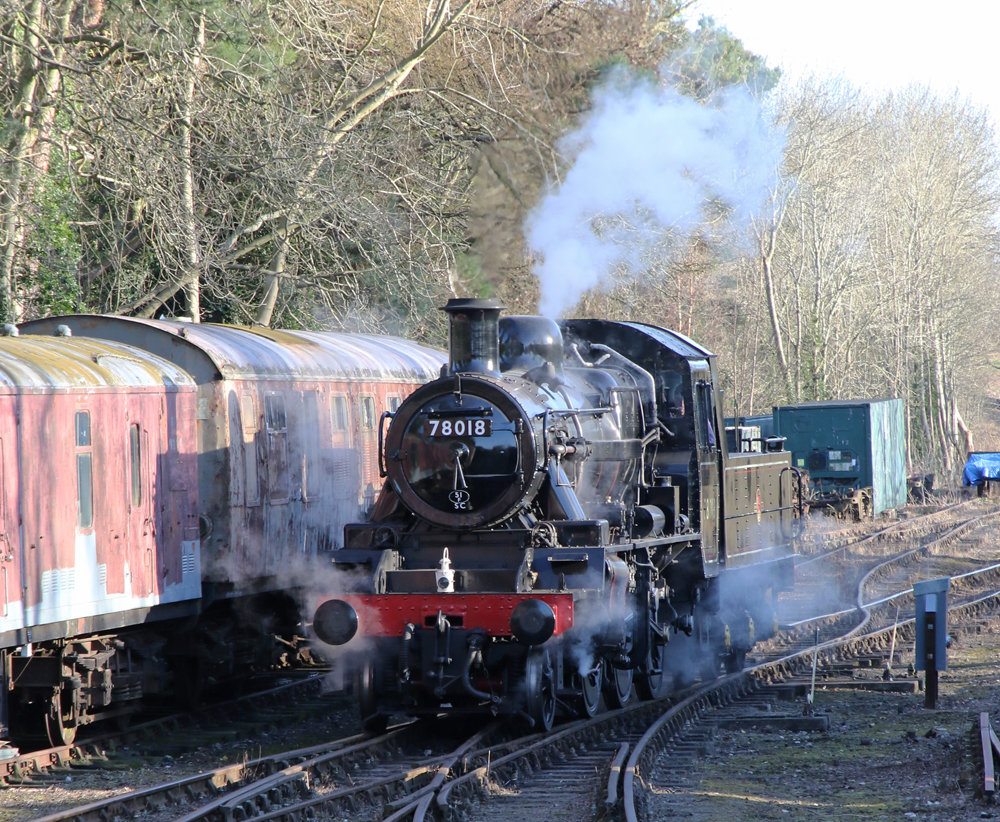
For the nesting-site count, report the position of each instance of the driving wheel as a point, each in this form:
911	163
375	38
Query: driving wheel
540	683
368	682
590	690
617	686
652	682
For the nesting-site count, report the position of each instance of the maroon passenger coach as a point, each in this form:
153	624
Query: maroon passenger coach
222	461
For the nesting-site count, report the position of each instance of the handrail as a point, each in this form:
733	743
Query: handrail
381	442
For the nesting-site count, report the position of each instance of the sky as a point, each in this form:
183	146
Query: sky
879	44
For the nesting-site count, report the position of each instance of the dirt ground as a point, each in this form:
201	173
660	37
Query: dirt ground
884	758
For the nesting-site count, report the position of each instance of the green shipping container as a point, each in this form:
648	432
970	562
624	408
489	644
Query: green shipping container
849	444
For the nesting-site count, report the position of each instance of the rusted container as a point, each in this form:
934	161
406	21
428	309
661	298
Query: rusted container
98	506
287	434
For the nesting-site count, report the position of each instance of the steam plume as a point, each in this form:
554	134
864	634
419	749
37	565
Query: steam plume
647	163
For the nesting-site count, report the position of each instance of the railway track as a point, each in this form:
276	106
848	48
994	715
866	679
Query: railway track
646	766
583	769
171	732
602	766
392	773
683	730
878	590
846	539
829	582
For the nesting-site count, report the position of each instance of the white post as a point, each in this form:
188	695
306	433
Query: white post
812	689
892	646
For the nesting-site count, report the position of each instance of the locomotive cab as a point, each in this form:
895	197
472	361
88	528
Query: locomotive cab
550	527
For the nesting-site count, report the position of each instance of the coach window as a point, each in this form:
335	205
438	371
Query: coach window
274	412
277	447
392	403
367	413
249	415
84	471
136	464
341	418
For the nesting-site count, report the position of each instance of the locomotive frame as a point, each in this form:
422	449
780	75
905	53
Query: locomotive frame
597	534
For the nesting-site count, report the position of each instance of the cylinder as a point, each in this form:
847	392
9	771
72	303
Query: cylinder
473	341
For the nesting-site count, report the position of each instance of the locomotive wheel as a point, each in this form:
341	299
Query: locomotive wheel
56	722
652	681
735	661
368	681
540	683
617	686
590	685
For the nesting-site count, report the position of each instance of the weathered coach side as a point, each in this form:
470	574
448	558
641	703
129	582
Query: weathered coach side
97	458
98	515
287	434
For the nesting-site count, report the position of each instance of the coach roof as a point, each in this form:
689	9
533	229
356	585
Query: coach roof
67	363
247	353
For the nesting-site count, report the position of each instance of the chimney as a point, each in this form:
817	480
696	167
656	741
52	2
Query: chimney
473	341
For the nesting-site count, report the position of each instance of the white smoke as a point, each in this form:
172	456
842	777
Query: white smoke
648	166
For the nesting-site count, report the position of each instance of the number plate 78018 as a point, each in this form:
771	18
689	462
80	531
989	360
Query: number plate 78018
460	428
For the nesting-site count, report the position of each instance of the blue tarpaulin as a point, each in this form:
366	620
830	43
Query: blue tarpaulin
981	467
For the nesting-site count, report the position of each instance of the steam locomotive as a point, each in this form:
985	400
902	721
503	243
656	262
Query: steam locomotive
561	520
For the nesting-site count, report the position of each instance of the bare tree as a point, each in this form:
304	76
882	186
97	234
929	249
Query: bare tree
33	50
309	158
877	258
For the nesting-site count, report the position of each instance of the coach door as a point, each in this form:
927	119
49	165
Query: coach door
276	425
708	463
141	448
10	547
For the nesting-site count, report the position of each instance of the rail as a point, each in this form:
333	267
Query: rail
881	532
614	775
221	783
83	751
864	607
